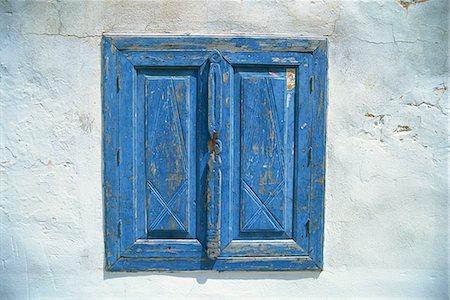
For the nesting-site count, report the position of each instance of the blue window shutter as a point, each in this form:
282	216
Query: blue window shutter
214	153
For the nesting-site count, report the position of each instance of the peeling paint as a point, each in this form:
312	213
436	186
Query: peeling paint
407	3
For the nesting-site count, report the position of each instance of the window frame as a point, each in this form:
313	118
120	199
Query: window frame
120	55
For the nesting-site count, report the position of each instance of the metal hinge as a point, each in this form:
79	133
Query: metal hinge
308	227
118	156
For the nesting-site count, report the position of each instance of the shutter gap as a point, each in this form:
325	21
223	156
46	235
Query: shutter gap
309	156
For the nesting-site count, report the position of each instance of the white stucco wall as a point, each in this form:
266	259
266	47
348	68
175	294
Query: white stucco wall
386	232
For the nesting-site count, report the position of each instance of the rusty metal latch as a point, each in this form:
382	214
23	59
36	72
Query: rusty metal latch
214	176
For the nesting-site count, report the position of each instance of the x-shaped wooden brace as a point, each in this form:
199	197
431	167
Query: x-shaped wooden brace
166	206
262	205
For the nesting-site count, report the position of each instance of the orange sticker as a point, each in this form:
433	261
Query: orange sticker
290	79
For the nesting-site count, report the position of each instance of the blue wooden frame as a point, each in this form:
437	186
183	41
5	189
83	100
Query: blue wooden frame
122	56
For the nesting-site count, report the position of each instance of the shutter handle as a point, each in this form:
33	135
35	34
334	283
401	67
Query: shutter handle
213	192
214	175
214	93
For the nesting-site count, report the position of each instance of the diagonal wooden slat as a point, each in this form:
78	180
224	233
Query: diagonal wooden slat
177	120
262	206
164	212
166	205
276	122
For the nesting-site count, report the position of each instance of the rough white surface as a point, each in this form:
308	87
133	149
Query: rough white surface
386	231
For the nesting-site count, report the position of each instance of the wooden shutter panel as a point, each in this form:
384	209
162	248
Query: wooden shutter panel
213	152
270	193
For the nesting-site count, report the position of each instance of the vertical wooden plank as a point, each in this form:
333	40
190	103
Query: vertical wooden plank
318	154
266	97
289	120
125	154
170	153
201	152
263	163
140	143
111	173
226	135
235	148
303	128
191	137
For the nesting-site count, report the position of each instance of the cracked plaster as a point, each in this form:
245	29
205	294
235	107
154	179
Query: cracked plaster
386	228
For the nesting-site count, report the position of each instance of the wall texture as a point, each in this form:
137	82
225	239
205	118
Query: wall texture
387	196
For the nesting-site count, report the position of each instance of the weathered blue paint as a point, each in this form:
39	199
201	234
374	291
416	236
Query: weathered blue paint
214	177
110	147
263	211
214	152
170	162
221	43
320	103
266	151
